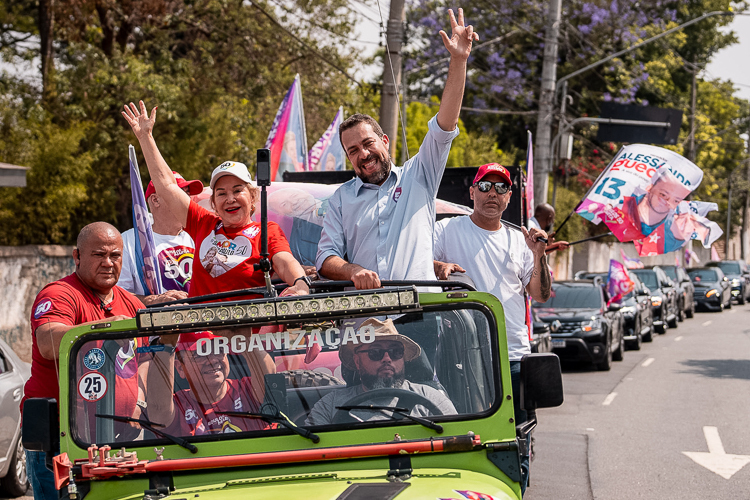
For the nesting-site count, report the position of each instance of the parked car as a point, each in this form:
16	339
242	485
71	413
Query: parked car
637	315
663	297
737	273
13	375
582	327
712	288
685	301
541	340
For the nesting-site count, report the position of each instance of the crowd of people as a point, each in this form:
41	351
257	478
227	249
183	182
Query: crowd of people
378	226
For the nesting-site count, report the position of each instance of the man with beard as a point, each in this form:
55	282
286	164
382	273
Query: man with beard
380	365
382	220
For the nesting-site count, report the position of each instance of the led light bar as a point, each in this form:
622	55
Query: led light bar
385	300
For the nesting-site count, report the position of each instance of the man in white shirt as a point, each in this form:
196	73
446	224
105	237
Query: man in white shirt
174	250
499	259
382	221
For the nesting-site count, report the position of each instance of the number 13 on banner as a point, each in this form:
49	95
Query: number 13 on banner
613	190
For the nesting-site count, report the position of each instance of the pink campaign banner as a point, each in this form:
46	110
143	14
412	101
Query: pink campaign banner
288	138
619	283
328	153
639	196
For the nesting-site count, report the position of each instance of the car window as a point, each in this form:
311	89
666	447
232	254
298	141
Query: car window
699	275
572	297
648	278
671	272
730	267
4	365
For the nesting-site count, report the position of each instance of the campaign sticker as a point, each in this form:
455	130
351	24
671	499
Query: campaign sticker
92	386
43	307
94	359
397	194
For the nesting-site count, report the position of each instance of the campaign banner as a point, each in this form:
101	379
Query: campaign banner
328	153
619	283
288	138
529	190
638	195
686	224
634	263
145	249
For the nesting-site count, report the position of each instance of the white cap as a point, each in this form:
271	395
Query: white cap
234	168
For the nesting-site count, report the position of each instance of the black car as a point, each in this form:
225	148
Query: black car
737	273
637	316
712	289
663	297
583	328
685	301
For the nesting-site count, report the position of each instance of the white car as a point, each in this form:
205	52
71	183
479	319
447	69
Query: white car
14	373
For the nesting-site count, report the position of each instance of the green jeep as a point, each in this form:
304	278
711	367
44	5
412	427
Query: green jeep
439	425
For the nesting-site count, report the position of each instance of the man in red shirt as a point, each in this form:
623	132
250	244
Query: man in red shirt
197	410
86	297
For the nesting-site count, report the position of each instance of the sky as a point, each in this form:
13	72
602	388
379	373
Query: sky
731	63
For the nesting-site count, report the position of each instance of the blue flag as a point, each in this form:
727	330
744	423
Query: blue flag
145	249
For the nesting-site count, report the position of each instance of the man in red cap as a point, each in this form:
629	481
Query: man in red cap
205	366
499	259
174	249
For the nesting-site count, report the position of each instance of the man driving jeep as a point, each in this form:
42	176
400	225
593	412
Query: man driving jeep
380	367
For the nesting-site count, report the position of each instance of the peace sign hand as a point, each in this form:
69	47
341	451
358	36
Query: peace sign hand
139	120
459	43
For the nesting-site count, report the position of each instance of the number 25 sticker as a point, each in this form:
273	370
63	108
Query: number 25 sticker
92	386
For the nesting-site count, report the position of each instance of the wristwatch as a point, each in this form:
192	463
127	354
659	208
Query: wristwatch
305	279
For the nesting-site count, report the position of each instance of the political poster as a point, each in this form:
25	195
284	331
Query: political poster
328	153
288	138
634	263
640	197
145	249
619	283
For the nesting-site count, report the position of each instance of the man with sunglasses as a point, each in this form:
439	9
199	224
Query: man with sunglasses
499	259
379	365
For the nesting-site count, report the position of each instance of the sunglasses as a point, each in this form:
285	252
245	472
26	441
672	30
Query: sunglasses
395	353
485	186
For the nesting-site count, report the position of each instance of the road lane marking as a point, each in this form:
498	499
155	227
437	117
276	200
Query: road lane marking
647	362
677	339
610	397
706	323
717	460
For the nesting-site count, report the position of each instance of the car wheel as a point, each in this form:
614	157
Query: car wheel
636	344
691	312
649	337
16	482
681	313
729	303
673	322
620	352
721	307
606	364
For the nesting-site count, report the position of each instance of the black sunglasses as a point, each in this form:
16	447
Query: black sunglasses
395	353
500	187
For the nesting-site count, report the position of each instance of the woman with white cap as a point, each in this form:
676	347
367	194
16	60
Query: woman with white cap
230	231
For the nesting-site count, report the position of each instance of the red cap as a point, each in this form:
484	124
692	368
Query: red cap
188	340
493	168
195	187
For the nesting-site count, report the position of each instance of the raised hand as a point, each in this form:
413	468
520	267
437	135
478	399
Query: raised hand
139	120
459	43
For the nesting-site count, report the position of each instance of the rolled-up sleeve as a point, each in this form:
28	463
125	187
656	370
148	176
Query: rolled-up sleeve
332	238
433	155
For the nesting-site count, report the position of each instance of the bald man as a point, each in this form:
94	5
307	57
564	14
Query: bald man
86	297
544	219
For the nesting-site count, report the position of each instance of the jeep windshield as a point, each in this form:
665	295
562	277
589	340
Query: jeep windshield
191	374
572	297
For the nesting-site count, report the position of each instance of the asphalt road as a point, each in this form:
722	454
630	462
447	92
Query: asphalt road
622	434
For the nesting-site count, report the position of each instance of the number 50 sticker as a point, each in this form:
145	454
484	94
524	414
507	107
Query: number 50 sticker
92	386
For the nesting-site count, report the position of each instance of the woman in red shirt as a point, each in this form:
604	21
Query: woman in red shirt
227	242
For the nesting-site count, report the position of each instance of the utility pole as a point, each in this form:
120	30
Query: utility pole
746	209
392	72
542	155
693	99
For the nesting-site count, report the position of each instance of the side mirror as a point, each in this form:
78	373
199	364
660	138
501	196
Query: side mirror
644	291
541	381
614	306
41	427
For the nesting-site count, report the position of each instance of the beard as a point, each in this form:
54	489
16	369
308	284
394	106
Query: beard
372	382
379	175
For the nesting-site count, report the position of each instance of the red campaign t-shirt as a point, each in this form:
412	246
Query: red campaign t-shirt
224	259
70	302
192	418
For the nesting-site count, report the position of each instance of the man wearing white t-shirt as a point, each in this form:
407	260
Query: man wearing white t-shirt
499	259
174	250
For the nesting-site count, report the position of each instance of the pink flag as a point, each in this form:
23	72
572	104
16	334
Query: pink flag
619	283
288	138
328	153
677	259
529	177
714	254
634	263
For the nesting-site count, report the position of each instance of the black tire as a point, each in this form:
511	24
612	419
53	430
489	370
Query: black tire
309	378
620	352
681	312
649	337
605	365
16	482
673	323
741	299
690	313
636	345
729	303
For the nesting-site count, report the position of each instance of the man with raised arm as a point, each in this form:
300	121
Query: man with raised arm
382	221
